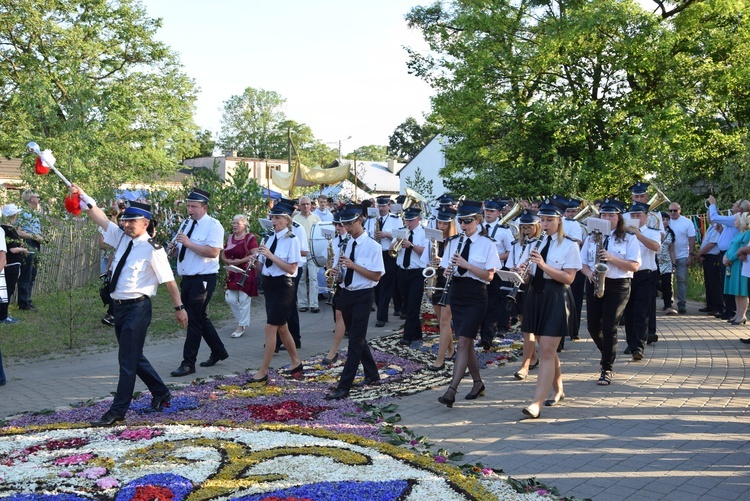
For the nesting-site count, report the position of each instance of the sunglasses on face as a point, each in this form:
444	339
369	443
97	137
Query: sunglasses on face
468	220
674	210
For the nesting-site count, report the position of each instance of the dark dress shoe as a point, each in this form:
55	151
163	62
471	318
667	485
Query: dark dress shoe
295	370
745	340
337	394
402	316
263	379
368	381
637	355
303	310
485	345
315	310
534	366
28	307
182	370
396	313
212	360
652	339
108	419
159	402
404	342
627	351
706	310
379	323
330	361
436	368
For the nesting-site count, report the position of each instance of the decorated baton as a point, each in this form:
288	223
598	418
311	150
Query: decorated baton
45	162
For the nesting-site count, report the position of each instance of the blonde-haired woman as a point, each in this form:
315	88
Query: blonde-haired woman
445	222
278	260
239	250
549	307
529	231
735	283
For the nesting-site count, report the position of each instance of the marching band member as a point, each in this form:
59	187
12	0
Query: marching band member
529	229
621	253
469	266
497	316
642	297
409	275
574	230
279	258
446	222
339	330
292	317
549	310
387	222
639	193
363	260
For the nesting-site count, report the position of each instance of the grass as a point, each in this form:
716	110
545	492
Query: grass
46	332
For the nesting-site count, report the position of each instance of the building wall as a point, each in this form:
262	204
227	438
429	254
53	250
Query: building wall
430	161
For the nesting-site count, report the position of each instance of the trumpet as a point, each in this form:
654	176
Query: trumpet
444	298
396	247
513	295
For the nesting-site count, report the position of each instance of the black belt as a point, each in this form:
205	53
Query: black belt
129	301
643	272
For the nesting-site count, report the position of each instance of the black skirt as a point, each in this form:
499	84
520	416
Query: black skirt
279	292
549	312
468	302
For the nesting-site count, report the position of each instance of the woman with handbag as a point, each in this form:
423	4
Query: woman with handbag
239	251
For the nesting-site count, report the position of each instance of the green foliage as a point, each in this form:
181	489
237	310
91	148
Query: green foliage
420	184
409	137
372	152
89	81
584	98
206	144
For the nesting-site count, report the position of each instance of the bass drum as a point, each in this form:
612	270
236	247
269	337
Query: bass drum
319	243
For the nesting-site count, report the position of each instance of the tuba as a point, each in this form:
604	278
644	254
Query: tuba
510	216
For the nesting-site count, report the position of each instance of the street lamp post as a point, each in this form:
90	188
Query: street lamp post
339	143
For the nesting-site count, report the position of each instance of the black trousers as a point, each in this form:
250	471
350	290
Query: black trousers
355	310
28	273
730	306
652	305
638	310
497	315
577	288
384	289
603	316
712	279
131	324
195	296
411	283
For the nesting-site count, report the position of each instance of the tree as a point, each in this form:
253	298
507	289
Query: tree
409	138
584	97
251	123
370	152
205	144
89	81
420	184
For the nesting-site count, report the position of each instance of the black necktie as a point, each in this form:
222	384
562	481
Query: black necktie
183	249
350	272
120	266
272	249
407	252
538	281
487	228
382	222
465	255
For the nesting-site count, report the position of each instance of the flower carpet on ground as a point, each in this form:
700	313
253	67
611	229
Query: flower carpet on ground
226	438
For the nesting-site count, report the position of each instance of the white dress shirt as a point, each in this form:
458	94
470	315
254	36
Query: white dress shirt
367	254
648	257
208	231
627	249
560	255
287	248
482	254
418	240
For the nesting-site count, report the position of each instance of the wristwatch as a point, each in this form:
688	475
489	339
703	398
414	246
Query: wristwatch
178	308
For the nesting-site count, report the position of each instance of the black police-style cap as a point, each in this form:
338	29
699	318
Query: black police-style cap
136	210
469	208
528	216
612	206
198	195
351	212
553	206
446	215
639	188
494	205
283	207
638	207
412	213
384	200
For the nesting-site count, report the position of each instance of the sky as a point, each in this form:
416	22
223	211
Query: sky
339	64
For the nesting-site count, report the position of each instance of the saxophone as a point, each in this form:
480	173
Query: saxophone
430	273
333	279
444	298
600	267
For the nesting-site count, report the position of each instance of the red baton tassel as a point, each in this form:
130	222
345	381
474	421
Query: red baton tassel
40	168
73	204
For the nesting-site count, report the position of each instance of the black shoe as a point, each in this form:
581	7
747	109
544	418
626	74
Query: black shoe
330	361
183	370
637	355
108	320
682	311
472	395
727	315
534	366
368	381
212	360
627	351
402	316
404	342
27	307
706	310
448	402
263	379
337	394
652	339
295	370
396	313
745	340
158	403
437	368
379	323
485	345
303	310
108	419
315	310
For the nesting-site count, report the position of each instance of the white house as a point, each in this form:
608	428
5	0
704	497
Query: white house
430	160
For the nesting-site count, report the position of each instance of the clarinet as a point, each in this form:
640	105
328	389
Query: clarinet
513	296
444	297
171	245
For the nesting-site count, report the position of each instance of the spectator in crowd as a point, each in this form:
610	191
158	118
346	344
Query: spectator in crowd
725	240
30	223
684	251
239	250
735	283
708	256
323	211
15	253
3	252
307	293
665	259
